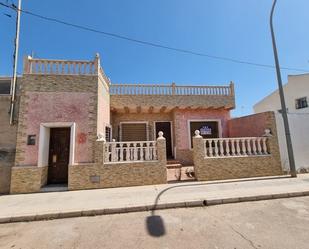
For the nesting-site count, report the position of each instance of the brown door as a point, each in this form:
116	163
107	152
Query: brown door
166	128
59	153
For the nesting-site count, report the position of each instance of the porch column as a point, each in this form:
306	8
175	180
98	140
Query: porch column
198	153
100	150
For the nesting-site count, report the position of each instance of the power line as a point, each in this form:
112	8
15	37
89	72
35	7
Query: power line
157	45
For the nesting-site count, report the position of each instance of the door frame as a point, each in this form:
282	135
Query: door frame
44	139
171	128
203	120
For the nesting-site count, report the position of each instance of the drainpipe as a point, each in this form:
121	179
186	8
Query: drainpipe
13	88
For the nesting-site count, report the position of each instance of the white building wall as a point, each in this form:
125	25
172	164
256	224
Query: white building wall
297	87
299	127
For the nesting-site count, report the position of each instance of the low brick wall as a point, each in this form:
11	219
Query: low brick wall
241	167
118	174
89	176
237	167
27	179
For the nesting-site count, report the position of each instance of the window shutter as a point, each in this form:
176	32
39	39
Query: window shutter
133	132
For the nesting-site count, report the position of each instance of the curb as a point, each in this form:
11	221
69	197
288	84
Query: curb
151	207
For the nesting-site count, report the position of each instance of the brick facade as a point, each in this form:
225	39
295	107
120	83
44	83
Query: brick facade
28	179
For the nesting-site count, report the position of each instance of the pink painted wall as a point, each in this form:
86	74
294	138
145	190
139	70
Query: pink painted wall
103	106
58	107
250	126
181	118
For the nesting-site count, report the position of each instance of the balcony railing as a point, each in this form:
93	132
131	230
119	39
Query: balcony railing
235	147
66	67
143	89
130	151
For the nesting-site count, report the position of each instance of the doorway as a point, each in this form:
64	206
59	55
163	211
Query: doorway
59	155
166	128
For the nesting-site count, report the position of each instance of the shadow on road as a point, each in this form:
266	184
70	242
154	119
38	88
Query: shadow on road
155	223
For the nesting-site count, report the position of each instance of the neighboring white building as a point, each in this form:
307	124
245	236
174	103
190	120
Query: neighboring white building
296	93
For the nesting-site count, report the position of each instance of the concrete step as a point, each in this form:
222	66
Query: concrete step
172	161
174	166
182	173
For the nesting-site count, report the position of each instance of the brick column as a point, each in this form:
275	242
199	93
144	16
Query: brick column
99	153
198	153
273	149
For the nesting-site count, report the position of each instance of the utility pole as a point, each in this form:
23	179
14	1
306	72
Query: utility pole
282	100
13	88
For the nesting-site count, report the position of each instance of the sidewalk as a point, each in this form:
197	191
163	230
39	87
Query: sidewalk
39	206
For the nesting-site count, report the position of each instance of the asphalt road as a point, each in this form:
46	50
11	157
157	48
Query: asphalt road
281	223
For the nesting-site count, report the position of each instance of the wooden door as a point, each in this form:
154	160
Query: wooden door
166	128
59	154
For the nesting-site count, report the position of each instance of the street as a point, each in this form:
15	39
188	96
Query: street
281	223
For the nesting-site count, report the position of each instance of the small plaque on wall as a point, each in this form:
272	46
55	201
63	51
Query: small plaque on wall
95	179
31	139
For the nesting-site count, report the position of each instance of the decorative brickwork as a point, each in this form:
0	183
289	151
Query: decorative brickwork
182	101
122	174
221	168
28	179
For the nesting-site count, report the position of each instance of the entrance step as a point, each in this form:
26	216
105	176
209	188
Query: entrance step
54	188
174	166
179	173
172	161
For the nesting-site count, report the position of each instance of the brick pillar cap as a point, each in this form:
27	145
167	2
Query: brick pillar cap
267	133
197	133
160	133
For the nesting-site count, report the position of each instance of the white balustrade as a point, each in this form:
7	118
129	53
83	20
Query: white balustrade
235	147
130	151
151	89
44	66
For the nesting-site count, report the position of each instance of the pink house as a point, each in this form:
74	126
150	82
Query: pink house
75	127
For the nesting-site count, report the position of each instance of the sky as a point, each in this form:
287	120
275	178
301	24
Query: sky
238	29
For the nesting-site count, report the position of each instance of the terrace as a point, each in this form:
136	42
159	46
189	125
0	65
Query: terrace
162	98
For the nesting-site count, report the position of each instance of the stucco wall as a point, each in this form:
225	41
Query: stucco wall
103	106
182	138
57	98
299	129
7	131
297	87
7	143
47	107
